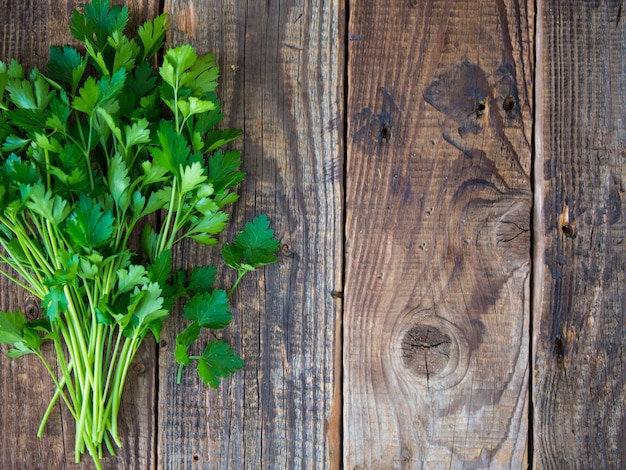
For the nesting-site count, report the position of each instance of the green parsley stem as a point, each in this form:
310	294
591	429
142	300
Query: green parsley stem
176	225
60	384
179	373
46	235
52	243
29	250
112	366
80	395
176	119
87	153
240	276
75	360
98	398
126	357
73	315
66	368
36	284
96	350
163	236
48	173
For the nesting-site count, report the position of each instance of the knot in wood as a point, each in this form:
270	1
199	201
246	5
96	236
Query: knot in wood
32	309
138	367
426	350
285	249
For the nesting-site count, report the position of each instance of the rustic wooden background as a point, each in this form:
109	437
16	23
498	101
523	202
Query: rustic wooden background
446	181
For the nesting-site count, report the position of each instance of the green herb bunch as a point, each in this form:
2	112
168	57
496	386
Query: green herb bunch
101	147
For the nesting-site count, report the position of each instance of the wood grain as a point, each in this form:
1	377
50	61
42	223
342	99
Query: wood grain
282	83
579	330
27	29
434	338
436	322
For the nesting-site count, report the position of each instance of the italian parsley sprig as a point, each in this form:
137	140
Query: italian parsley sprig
99	148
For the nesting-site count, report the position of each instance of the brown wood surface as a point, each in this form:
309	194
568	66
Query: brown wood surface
436	322
27	29
428	363
282	83
579	329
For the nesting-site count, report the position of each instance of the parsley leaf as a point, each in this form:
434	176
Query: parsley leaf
22	94
130	277
218	360
191	177
66	65
210	310
183	341
202	279
223	170
152	35
255	246
119	181
89	97
54	302
146	305
173	151
89	227
11	326
98	20
22	335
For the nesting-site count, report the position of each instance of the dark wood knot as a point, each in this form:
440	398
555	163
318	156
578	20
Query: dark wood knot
426	350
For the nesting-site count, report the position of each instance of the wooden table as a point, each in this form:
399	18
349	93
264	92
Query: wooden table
446	180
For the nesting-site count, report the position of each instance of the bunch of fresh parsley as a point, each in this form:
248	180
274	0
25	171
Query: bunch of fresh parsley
101	147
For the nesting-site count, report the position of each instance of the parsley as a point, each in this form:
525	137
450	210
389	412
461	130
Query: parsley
89	150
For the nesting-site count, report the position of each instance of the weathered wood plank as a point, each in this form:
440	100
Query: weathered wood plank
436	343
27	29
282	68
579	329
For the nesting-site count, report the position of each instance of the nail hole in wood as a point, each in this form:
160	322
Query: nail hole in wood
568	231
559	346
508	104
480	109
385	133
